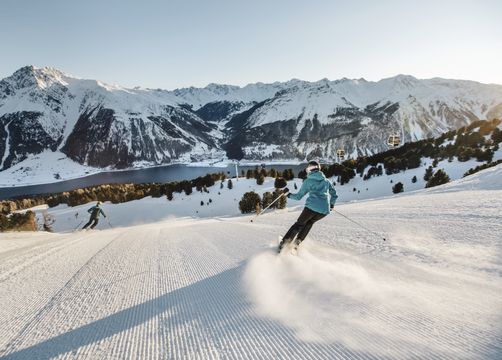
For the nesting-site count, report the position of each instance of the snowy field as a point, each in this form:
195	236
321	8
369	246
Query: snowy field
177	285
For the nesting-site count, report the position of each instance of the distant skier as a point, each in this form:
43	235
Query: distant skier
321	200
95	211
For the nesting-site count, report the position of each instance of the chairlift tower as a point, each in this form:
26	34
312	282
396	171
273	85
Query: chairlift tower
236	170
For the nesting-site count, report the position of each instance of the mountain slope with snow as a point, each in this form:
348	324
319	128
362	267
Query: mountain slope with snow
101	125
96	124
317	119
213	288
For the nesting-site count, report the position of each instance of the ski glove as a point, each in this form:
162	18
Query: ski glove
331	206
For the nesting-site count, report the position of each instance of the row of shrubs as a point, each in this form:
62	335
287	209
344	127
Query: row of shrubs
18	222
252	202
482	167
115	193
256	173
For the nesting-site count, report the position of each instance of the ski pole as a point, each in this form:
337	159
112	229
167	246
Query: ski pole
360	225
78	225
108	221
269	205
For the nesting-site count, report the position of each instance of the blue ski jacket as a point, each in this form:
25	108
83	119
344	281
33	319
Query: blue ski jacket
321	192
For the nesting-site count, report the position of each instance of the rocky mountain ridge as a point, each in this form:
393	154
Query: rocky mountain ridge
103	125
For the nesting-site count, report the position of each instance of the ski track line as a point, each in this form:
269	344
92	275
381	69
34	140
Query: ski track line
13	322
32	256
24	303
129	342
253	333
51	303
175	257
182	309
117	265
44	239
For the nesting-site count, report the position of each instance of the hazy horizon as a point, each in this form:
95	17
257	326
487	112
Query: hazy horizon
178	44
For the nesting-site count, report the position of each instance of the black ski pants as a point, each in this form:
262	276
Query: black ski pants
302	226
94	221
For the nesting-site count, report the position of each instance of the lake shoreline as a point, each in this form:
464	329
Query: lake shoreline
162	173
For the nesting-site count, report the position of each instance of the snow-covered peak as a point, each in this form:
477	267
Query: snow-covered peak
221	88
198	97
29	76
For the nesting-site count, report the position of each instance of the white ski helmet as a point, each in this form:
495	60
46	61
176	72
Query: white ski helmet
313	166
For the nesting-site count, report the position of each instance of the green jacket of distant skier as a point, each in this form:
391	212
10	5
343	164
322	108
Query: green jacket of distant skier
95	211
322	193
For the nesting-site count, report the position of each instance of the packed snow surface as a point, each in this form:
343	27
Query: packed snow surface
213	288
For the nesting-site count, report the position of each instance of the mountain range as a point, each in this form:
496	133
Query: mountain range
102	125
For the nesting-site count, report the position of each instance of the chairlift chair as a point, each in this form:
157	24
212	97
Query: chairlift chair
340	153
393	141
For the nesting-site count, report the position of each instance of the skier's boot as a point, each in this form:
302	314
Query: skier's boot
283	243
296	244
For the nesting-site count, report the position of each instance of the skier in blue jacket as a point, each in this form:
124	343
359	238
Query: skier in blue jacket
321	200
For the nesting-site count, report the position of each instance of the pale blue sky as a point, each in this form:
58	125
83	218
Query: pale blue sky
171	44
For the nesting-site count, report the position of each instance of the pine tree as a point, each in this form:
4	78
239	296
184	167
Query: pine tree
396	189
440	177
288	174
260	179
248	202
283	200
230	185
267	199
428	173
414	179
280	183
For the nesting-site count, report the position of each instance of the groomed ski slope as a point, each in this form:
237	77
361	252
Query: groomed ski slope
186	288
